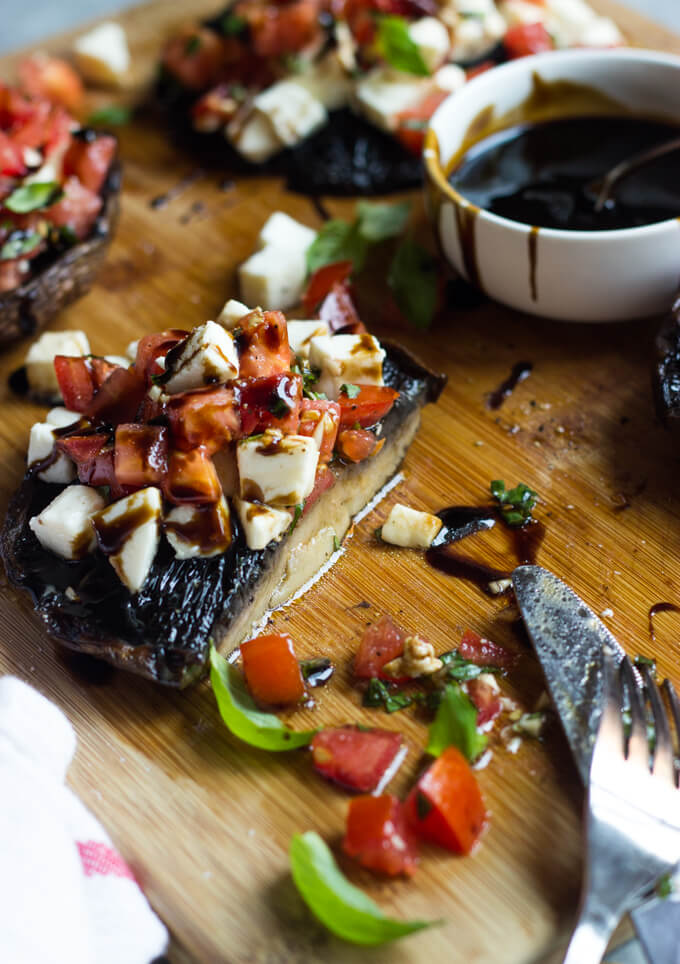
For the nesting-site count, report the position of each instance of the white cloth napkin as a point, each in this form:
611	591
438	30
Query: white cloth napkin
66	895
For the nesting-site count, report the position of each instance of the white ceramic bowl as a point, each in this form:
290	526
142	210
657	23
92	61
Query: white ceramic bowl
567	275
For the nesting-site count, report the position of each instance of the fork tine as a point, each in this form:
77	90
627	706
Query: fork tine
638	745
663	765
610	732
674	704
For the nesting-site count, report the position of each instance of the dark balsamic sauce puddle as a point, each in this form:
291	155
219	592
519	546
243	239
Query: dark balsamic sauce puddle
520	372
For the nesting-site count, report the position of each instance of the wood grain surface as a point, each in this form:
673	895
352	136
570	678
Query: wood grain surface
204	821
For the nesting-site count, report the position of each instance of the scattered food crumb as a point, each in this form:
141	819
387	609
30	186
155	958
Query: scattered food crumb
607	613
569	507
483	761
478	443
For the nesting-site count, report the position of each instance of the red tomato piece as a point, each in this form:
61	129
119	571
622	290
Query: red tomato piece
527	38
413	122
371	404
356	759
271	402
152	347
11	157
357	444
263	343
277	29
322	281
82	448
446	804
118	399
321	419
215	109
486	699
323	481
271	670
78	208
204	416
379	837
479	69
194	55
381	643
338	311
484	652
191	478
53	78
90	161
76	382
140	454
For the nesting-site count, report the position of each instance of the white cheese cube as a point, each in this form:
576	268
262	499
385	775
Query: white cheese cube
39	363
300	334
474	36
118	360
135	523
601	32
255	139
410	528
210	525
40	444
276	469
328	81
432	40
449	78
383	93
346	360
208	354
60	417
273	278
292	110
131	350
518	12
285	232
262	524
65	525
231	314
102	55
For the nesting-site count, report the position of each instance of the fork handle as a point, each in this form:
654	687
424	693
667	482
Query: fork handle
591	935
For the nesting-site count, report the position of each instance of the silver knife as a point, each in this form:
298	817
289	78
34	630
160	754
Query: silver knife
569	640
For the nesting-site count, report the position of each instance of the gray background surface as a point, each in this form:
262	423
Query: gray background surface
26	22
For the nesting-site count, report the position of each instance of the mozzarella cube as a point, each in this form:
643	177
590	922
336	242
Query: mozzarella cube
102	55
60	417
131	350
118	360
432	40
292	110
39	363
231	314
65	525
273	278
262	524
383	93
601	32
208	354
255	139
285	232
518	12
474	36
132	525
40	445
346	360
449	78
185	524
276	469
300	334
410	528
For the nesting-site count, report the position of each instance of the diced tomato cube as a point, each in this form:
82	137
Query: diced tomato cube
381	643
205	416
276	29
191	478
263	344
11	157
271	402
356	759
322	281
90	161
527	38
446	805
82	448
321	419
371	404
195	56
118	399
77	209
338	310
76	382
44	76
479	69
140	454
486	700
271	670
413	122
379	837
323	481
152	347
357	444
483	652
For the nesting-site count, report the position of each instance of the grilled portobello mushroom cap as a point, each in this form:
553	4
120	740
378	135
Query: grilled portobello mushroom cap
666	375
165	630
59	278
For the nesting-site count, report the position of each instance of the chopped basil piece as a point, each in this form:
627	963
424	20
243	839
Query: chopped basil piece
351	391
231	24
397	47
516	504
413	278
19	243
241	715
296	516
336	543
378	222
460	669
193	45
30	197
67	235
379	695
316	672
456	725
664	887
278	408
340	906
337	241
645	661
114	115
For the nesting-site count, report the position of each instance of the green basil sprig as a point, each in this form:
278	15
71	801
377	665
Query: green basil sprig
413	280
349	240
18	244
516	504
456	725
398	48
113	115
30	197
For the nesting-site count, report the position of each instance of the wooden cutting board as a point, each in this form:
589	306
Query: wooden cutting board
204	821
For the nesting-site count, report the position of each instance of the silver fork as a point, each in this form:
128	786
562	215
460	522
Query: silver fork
633	810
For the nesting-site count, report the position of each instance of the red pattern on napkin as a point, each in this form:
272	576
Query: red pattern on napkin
97	858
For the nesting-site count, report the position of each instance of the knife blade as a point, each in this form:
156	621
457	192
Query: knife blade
569	640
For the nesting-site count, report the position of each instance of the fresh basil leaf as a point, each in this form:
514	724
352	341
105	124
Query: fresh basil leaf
379	695
114	115
397	47
279	409
18	244
378	222
231	24
413	280
299	508
30	197
351	391
241	715
664	886
193	45
516	504
340	906
461	669
456	725
337	241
